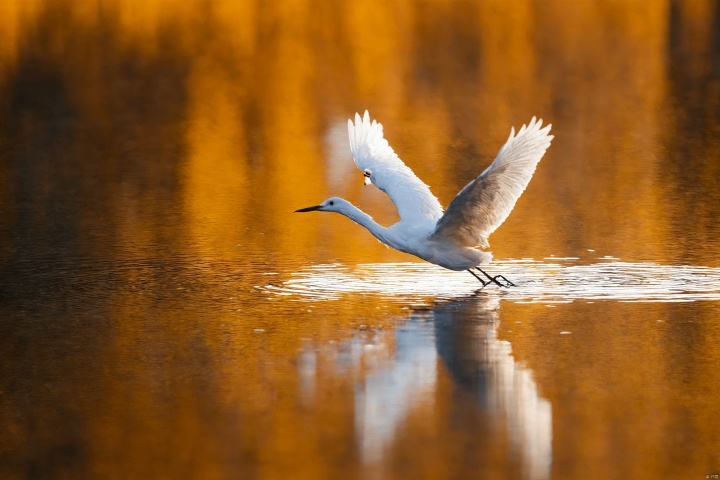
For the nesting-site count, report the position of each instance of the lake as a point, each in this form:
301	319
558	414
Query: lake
165	314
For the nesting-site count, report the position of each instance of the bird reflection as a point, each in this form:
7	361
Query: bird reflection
481	364
402	374
402	367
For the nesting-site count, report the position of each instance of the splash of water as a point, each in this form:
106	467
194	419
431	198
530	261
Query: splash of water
555	280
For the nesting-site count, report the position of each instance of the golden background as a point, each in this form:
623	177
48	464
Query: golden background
151	154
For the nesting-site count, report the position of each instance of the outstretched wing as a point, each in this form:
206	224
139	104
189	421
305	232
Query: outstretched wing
372	153
484	204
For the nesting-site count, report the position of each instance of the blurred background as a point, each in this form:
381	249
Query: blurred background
152	153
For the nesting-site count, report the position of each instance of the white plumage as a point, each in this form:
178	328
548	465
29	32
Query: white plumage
454	239
372	152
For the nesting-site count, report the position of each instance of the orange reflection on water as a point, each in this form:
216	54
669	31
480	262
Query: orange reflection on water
152	154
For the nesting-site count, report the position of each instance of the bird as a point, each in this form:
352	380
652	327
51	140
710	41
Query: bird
457	238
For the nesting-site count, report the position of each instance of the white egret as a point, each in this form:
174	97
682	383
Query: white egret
455	239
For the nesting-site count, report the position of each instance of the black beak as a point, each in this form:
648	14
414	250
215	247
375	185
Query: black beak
308	209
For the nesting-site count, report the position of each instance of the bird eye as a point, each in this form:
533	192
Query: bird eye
367	173
332	202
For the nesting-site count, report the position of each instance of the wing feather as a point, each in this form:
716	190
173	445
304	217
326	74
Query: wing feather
371	151
484	204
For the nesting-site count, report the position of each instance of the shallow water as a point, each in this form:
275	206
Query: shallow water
164	314
554	280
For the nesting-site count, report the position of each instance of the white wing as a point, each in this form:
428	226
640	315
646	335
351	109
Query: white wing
484	204
372	152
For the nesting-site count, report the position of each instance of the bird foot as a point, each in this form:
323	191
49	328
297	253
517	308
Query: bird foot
508	282
490	280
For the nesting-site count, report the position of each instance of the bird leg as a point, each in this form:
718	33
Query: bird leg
494	279
484	284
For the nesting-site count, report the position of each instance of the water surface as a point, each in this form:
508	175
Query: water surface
163	314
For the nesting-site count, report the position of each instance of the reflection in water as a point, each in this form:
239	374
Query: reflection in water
466	338
396	381
401	376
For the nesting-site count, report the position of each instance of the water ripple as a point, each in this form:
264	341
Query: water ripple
556	280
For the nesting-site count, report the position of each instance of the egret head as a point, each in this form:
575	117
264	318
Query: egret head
332	204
